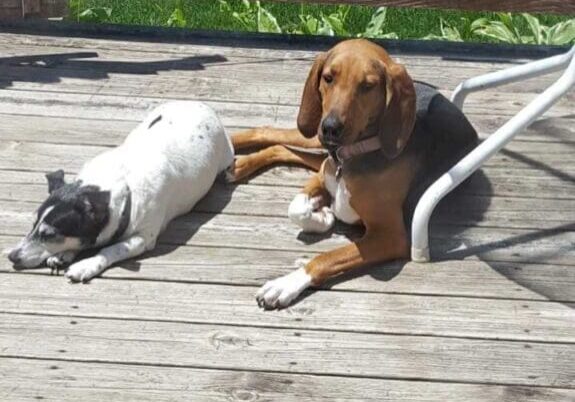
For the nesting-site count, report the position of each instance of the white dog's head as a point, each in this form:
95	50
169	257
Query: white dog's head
71	218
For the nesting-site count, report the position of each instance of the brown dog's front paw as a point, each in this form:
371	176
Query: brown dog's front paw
282	291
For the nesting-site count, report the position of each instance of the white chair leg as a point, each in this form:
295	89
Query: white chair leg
473	161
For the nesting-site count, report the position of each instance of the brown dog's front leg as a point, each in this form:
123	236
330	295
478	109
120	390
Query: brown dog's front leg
377	246
311	209
246	165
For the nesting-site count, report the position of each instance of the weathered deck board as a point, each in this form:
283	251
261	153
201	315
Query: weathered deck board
499	182
111	133
288	350
255	48
252	267
553	245
103	106
492	321
555	158
67	381
484	209
200	76
517	320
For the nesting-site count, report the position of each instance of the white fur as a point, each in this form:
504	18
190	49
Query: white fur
340	195
304	212
282	291
86	269
168	168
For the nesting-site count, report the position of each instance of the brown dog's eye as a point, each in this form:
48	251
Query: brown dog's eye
368	85
328	78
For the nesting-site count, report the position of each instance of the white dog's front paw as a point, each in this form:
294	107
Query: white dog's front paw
60	261
305	213
282	291
84	270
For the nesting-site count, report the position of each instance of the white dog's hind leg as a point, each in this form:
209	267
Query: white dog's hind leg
84	270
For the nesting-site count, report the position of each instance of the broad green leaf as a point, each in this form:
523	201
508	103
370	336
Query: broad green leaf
335	23
178	17
389	35
562	33
225	6
498	31
506	19
535	27
375	25
267	22
95	14
479	23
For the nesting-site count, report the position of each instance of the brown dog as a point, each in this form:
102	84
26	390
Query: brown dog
386	139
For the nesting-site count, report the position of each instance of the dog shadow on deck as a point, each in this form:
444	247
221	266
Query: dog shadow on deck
183	228
52	68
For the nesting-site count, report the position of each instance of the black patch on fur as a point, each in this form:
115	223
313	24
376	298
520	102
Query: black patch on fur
441	137
78	211
55	180
157	119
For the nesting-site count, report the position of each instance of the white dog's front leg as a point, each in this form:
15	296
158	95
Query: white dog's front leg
305	212
61	260
84	270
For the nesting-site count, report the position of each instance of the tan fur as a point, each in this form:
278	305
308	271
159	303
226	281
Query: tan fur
371	95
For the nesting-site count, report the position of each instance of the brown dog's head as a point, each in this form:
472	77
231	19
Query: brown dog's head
355	91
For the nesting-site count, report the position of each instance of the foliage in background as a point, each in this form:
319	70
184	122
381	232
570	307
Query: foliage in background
505	30
350	21
178	16
92	14
252	16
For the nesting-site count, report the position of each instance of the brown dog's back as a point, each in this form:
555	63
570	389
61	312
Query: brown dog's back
442	136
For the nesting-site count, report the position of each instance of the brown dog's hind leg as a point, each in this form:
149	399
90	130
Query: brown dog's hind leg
268	136
246	165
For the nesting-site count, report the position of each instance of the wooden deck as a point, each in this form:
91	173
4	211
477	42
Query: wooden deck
492	319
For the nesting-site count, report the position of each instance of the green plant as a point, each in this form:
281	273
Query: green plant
91	14
253	16
448	32
178	16
375	26
506	30
329	25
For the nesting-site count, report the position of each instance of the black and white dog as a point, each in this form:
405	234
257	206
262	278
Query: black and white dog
123	198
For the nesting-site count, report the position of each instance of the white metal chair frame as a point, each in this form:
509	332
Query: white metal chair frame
473	161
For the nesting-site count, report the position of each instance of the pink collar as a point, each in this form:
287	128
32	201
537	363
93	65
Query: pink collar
347	152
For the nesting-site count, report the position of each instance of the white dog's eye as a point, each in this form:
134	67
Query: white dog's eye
46	235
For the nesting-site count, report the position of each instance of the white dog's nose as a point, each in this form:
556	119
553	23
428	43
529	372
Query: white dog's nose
14	256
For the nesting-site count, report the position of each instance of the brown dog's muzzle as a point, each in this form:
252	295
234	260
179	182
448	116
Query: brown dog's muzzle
331	133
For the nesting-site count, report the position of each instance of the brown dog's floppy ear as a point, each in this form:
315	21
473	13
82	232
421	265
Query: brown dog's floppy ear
310	109
398	118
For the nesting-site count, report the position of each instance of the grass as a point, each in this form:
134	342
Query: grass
205	14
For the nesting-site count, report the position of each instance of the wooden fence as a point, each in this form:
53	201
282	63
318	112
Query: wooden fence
17	9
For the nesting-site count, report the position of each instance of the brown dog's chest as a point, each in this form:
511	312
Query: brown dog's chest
340	194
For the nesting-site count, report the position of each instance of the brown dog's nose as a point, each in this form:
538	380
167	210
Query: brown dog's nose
331	128
14	256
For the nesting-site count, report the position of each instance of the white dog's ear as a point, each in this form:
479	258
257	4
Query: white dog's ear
55	180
